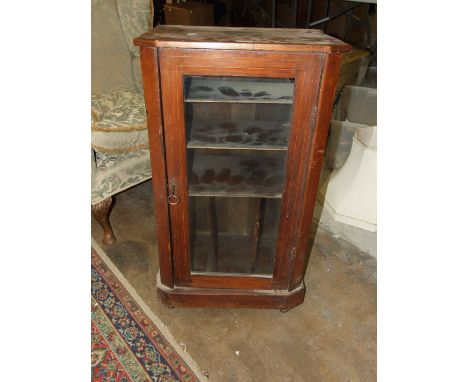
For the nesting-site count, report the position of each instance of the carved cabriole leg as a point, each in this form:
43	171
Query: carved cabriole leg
101	212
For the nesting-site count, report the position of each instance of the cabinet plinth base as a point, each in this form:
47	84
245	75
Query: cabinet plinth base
229	298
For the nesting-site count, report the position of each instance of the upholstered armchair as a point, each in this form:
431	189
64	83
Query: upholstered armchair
119	140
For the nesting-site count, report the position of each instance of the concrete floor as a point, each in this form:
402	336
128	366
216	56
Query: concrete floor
331	337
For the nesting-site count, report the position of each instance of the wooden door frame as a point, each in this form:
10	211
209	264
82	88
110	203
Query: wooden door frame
306	69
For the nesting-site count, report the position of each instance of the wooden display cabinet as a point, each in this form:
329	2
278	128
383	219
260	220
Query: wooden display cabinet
237	122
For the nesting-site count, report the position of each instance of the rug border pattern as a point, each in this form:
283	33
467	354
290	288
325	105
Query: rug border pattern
182	365
116	343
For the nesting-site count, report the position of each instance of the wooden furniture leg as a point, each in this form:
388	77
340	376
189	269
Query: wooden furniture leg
101	212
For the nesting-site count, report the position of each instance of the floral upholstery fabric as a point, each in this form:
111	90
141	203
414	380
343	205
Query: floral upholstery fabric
112	160
120	156
136	17
114	173
118	122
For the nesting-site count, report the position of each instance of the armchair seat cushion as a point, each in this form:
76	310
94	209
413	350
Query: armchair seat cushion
117	172
118	122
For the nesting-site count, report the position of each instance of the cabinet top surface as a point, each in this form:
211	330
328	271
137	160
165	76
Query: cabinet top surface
275	39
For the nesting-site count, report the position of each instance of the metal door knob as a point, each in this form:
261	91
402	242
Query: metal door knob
173	199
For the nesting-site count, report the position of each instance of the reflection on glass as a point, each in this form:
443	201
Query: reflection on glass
237	132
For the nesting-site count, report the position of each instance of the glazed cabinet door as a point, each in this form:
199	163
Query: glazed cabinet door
238	128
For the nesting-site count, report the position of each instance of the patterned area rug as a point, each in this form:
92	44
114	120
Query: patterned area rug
128	343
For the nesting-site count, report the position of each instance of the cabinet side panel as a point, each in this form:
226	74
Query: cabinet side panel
306	100
150	74
322	120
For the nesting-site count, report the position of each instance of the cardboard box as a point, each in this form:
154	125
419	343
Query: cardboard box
189	14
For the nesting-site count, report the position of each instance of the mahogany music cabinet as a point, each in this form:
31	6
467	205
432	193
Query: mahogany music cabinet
237	123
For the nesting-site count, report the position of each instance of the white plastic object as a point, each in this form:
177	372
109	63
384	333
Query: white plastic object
367	136
356	108
340	141
351	194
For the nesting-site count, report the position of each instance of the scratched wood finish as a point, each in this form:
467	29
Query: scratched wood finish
295	177
230	298
305	68
264	39
310	58
314	165
150	74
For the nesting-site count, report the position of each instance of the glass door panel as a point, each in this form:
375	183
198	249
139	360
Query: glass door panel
237	132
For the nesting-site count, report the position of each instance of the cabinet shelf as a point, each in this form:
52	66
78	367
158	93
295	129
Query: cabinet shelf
236	176
256	135
217	89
